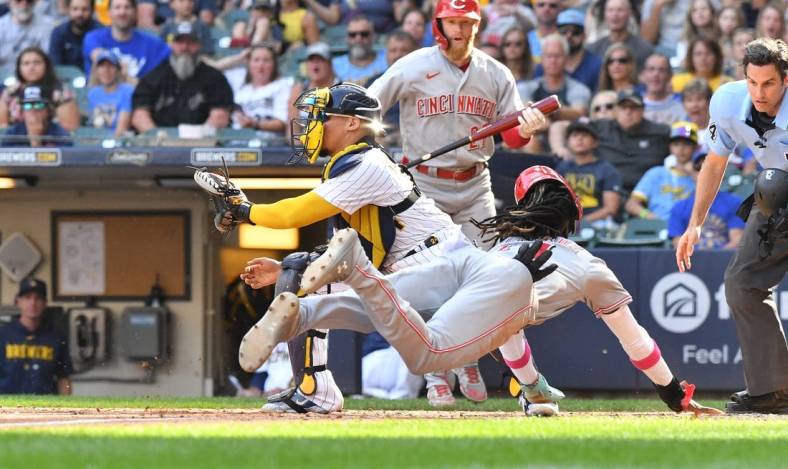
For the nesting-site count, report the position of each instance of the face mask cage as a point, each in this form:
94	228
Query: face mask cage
306	132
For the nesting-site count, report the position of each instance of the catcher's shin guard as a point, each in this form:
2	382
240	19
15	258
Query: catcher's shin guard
302	348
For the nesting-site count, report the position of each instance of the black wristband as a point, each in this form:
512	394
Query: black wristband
242	212
671	394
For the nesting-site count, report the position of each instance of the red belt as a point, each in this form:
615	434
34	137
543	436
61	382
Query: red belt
456	175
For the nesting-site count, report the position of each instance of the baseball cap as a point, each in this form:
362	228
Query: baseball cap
186	28
108	56
684	130
631	96
31	284
321	49
33	95
571	17
582	125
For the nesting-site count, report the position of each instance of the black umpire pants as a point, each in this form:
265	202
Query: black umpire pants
749	290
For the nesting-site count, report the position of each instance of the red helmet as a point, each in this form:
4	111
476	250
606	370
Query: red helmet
530	176
453	9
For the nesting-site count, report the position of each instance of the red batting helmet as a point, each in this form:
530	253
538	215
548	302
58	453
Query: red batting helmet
530	176
453	9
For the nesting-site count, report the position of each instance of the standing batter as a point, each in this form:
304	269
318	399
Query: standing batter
481	300
753	112
445	92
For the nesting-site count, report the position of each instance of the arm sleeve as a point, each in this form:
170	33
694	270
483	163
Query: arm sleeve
144	94
221	94
603	291
509	96
720	141
676	223
55	51
294	212
389	87
88	45
611	179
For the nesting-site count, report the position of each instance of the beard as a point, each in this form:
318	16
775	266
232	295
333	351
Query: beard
575	48
459	50
358	52
184	65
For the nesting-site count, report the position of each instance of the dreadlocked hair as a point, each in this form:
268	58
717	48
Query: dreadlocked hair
547	210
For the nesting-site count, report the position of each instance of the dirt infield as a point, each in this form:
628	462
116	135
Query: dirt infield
20	417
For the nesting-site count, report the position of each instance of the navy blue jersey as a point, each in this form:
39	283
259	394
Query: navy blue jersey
31	362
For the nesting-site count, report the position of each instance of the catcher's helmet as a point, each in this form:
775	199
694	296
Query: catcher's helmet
453	9
530	176
344	99
771	191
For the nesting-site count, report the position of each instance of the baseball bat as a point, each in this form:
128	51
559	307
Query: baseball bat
546	105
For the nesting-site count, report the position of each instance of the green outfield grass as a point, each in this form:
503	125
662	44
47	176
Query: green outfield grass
314	442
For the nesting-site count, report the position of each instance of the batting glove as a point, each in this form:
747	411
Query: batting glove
531	120
528	256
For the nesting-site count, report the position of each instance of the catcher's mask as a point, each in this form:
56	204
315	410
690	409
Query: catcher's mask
318	104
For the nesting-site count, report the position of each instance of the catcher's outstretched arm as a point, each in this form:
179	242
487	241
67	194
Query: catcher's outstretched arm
294	212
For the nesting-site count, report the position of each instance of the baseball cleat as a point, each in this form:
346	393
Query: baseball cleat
292	401
471	383
541	392
279	324
343	253
533	409
440	395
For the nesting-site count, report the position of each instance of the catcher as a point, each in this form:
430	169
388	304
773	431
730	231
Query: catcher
483	300
362	188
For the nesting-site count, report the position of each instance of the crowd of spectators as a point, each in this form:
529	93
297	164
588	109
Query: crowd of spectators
625	71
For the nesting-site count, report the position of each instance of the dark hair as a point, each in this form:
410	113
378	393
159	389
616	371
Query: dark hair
598	10
605	81
270	49
133	3
49	80
765	51
710	44
547	210
92	6
420	12
402	35
526	63
698	85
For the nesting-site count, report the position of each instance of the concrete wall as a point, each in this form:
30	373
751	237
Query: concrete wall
189	371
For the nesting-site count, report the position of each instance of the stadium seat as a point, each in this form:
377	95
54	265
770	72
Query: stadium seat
92	136
73	76
585	235
638	232
232	17
230	137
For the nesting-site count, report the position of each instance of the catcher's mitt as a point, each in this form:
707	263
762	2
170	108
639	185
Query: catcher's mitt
230	203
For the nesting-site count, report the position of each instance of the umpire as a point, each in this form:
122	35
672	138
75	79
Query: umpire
752	112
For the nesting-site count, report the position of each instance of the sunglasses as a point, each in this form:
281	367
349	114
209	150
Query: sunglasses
618	60
514	43
606	107
552	6
30	106
571	31
363	34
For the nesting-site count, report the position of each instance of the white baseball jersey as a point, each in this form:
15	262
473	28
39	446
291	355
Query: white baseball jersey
440	103
580	277
379	181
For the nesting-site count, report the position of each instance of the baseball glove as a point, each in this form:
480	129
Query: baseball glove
229	202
